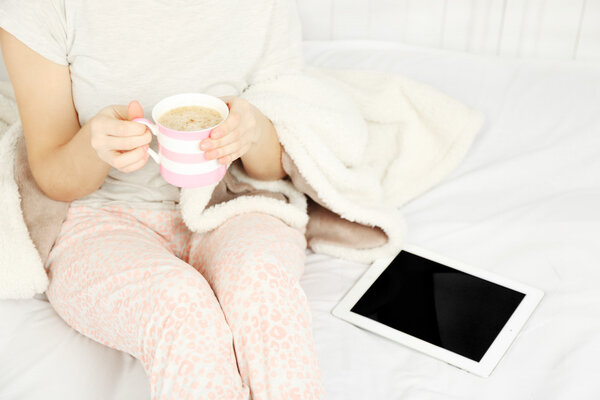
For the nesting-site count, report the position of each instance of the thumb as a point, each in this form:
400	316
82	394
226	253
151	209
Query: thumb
135	110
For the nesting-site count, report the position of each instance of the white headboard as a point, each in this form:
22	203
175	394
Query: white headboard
565	29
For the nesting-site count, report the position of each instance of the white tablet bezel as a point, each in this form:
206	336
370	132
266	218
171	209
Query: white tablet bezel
500	345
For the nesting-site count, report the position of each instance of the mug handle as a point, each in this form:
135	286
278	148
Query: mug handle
154	131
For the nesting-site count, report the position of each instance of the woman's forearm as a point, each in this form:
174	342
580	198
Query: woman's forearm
263	160
72	170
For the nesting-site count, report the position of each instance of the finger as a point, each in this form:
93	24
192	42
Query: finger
235	155
134	110
213	144
124	143
129	112
126	161
231	123
223	151
128	158
137	165
120	111
115	127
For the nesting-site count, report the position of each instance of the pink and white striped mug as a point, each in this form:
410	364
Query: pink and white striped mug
181	161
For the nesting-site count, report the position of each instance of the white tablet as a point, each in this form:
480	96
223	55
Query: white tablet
465	316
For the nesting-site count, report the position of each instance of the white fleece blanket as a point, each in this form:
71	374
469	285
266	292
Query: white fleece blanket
365	142
21	272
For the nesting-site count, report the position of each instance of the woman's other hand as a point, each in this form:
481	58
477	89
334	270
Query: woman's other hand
118	141
234	137
249	135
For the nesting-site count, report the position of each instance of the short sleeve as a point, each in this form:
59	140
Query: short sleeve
283	45
39	24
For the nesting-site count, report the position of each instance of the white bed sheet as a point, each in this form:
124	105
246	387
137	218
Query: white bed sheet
525	203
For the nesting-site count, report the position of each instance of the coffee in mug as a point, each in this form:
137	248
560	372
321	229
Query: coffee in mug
190	118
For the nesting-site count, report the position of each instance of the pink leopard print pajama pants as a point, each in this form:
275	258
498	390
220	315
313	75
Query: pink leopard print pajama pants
218	316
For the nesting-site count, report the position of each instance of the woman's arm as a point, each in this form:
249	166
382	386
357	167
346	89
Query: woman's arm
60	153
249	135
263	159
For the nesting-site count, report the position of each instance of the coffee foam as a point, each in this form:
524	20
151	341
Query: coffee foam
190	118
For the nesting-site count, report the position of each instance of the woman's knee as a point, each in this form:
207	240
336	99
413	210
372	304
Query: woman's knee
179	296
258	231
263	291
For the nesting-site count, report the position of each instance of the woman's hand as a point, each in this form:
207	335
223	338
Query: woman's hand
234	137
247	134
118	141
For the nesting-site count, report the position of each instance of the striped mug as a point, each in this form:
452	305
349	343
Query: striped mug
181	161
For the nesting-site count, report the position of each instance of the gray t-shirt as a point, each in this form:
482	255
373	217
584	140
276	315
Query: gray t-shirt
145	50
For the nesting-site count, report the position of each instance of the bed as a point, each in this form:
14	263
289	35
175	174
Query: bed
524	203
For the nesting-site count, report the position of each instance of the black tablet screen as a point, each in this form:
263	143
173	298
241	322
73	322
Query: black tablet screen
440	305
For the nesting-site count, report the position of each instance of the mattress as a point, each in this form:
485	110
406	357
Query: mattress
524	203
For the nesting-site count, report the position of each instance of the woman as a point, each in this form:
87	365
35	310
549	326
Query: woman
215	316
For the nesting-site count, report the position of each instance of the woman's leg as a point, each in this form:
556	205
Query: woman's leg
253	263
116	279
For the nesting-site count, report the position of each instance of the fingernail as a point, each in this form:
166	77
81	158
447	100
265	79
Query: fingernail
205	145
